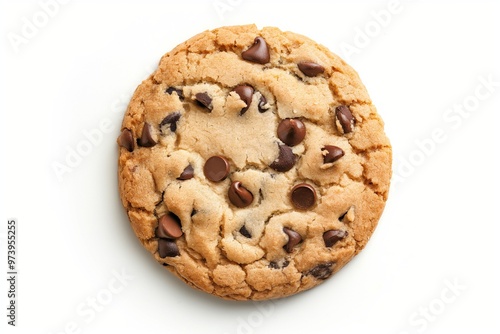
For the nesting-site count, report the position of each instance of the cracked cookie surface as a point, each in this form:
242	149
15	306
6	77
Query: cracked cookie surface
252	163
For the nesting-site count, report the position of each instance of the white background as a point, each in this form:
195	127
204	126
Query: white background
440	226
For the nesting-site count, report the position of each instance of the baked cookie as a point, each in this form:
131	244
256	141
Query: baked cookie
253	164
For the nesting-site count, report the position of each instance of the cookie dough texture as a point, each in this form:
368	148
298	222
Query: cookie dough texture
188	111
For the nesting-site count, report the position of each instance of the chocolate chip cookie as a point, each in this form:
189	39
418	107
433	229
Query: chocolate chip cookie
253	164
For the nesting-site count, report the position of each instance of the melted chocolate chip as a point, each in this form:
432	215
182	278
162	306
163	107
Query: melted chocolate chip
310	68
291	131
303	196
172	120
333	236
167	248
258	52
187	173
345	118
239	195
169	226
244	232
293	239
146	139
170	90
333	154
246	93
216	168
204	100
126	140
285	161
322	271
262	104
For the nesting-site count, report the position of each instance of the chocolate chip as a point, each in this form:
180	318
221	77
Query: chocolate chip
291	131
279	265
274	265
169	226
310	69
146	139
239	195
261	195
170	90
172	120
246	93
126	140
303	196
333	154
167	248
216	168
345	118
258	52
293	239
204	100
331	237
244	232
187	173
285	161
262	104
322	271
